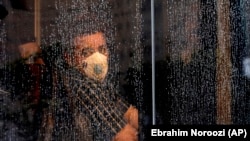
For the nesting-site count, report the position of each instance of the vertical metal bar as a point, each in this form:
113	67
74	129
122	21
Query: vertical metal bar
153	61
37	17
224	64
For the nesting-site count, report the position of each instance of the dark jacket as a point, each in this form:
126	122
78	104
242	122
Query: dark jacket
78	108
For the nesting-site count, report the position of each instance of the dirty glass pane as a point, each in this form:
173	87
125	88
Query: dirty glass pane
240	23
188	64
202	55
71	69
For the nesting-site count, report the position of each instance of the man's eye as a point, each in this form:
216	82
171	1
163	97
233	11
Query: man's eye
103	50
87	52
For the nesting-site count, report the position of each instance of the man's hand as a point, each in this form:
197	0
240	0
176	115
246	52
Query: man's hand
28	50
130	131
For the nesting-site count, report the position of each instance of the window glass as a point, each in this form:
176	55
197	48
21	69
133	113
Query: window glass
71	69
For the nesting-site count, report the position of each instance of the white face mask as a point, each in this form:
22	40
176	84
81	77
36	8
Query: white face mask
96	66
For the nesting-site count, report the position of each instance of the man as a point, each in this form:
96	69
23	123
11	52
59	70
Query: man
81	104
91	58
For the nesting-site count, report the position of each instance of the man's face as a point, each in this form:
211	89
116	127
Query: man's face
90	55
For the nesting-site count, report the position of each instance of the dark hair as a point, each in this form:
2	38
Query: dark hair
83	19
79	18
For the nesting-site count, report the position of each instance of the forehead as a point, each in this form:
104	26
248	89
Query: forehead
94	40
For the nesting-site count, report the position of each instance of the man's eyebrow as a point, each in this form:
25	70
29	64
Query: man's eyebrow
102	45
91	46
